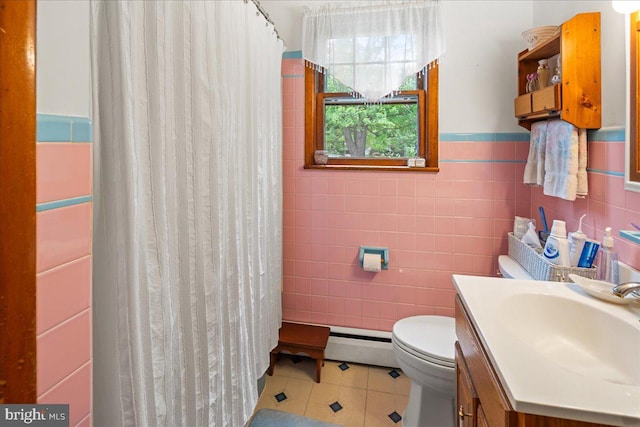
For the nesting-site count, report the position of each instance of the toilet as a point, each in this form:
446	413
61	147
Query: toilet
510	269
424	348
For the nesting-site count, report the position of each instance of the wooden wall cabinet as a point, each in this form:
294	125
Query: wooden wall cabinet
482	401
577	98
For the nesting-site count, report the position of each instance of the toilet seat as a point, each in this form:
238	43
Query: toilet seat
431	338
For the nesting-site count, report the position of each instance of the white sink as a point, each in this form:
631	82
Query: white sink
558	351
574	335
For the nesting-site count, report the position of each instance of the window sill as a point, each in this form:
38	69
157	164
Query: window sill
372	168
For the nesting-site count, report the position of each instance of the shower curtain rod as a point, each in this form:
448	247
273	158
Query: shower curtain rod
265	15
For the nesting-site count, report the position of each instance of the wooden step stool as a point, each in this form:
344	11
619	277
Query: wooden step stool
298	338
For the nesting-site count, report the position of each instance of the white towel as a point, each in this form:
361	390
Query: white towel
583	183
561	160
534	169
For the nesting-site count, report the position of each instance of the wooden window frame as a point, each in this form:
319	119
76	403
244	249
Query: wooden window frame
427	135
634	110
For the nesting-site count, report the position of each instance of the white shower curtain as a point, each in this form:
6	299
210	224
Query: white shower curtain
187	214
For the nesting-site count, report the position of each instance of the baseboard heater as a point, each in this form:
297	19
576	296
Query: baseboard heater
360	346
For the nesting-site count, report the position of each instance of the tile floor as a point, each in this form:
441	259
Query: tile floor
349	394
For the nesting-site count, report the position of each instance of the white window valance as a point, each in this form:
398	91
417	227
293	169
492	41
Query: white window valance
372	49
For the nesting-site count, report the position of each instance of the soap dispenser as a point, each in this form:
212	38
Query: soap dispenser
608	259
576	243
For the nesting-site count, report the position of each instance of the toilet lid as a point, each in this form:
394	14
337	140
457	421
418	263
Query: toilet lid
432	337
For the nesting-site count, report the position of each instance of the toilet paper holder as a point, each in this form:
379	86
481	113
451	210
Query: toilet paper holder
383	252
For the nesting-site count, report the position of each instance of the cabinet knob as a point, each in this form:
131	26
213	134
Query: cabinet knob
462	414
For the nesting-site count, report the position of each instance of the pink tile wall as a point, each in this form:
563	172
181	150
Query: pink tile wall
608	203
77	384
64	170
62	292
434	225
64	277
64	234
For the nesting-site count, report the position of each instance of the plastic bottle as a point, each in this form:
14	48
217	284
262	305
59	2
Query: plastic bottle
608	259
556	250
576	243
589	253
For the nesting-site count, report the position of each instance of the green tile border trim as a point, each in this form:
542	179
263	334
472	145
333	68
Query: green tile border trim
606	172
631	235
50	128
481	161
485	137
81	130
292	54
608	135
41	207
58	128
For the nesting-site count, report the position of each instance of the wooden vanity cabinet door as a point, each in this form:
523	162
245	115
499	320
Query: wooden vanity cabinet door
481	418
487	387
467	401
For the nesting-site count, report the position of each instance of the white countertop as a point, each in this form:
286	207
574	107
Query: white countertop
521	325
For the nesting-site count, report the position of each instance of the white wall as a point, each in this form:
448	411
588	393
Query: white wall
478	73
477	80
63	59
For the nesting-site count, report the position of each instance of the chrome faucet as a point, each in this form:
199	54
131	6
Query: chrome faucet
625	289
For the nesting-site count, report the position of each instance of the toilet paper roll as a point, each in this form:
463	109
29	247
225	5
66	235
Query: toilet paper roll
372	262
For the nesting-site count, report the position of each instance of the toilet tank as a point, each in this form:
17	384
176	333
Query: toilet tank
510	269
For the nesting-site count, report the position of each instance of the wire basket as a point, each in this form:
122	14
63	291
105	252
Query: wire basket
541	269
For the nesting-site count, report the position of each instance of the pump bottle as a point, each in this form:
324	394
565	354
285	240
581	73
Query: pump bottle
608	259
576	243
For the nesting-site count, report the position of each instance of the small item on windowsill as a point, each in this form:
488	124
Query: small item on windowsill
420	162
411	162
321	157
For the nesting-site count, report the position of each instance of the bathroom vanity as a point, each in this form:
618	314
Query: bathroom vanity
543	354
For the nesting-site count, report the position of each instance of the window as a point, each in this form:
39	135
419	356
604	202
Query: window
373	51
380	135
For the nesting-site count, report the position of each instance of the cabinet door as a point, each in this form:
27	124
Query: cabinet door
481	418
522	105
485	383
467	400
